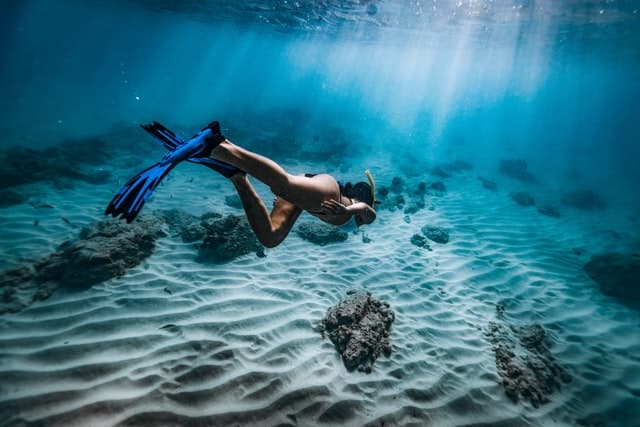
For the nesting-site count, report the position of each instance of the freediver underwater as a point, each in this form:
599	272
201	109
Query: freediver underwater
318	194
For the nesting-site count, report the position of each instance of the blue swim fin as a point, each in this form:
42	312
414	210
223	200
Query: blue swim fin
224	169
131	197
171	141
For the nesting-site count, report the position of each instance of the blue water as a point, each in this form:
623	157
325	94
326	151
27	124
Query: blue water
521	77
406	84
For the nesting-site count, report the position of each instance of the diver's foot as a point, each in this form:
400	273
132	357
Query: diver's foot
212	140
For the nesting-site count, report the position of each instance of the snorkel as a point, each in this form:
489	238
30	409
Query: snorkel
372	184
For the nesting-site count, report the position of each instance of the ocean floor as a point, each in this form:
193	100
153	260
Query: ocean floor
178	340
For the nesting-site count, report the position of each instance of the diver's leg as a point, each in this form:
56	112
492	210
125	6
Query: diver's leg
260	167
270	229
304	192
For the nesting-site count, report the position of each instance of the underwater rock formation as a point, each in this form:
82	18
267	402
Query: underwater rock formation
439	172
101	252
420	241
585	200
396	201
227	238
437	234
415	205
524	362
219	238
522	198
549	211
397	185
488	184
458	166
183	224
359	327
321	234
421	189
399	196
109	248
10	198
445	170
438	186
516	169
617	275
87	155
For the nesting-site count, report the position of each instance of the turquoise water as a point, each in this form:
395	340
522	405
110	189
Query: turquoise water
396	87
556	84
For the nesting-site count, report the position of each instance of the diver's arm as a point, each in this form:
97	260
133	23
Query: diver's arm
365	211
336	208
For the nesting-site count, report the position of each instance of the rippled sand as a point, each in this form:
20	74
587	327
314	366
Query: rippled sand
175	342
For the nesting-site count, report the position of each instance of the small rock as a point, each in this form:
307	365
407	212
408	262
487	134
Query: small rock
397	185
549	211
421	189
522	198
321	234
516	169
420	241
437	234
617	275
415	205
439	172
488	184
11	198
524	361
227	238
585	200
438	186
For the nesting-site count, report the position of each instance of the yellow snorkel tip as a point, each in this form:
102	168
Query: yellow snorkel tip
372	183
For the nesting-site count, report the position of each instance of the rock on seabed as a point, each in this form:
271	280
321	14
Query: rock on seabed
359	327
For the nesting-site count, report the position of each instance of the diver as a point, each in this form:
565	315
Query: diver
319	194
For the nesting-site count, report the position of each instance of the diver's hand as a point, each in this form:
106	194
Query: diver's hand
332	207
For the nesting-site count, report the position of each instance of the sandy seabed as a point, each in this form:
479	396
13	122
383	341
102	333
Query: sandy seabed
177	342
